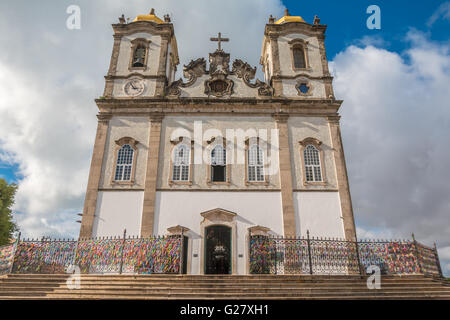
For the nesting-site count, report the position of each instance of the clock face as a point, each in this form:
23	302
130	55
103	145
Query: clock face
134	87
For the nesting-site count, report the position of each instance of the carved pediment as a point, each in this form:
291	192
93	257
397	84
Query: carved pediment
259	231
177	230
218	215
245	72
219	84
194	70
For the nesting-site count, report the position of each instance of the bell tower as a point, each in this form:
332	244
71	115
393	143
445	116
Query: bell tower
294	59
144	57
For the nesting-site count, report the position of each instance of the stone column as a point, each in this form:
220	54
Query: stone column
287	198
151	177
90	202
109	84
162	75
277	84
342	178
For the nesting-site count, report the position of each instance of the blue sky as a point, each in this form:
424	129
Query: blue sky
394	83
346	22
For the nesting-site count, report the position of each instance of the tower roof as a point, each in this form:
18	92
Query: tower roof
149	17
288	18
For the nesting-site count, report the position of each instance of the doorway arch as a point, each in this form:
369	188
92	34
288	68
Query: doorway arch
218	249
222	224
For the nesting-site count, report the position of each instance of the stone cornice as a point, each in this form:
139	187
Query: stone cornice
293	27
163	29
204	106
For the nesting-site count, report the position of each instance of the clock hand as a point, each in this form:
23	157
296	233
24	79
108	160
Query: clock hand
132	85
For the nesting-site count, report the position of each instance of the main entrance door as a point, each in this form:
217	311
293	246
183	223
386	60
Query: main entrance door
218	250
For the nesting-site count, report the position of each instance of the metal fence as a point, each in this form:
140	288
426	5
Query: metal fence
159	254
277	255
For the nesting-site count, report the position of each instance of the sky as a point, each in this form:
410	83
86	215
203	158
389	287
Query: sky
394	82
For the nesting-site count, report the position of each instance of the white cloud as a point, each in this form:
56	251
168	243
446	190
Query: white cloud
396	128
442	12
50	77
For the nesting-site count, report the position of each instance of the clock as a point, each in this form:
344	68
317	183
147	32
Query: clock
134	87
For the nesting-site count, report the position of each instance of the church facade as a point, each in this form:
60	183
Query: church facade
218	155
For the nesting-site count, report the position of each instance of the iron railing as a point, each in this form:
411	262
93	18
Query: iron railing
279	255
158	254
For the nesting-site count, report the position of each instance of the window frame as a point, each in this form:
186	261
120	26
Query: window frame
248	144
318	145
212	144
307	83
303	46
134	46
119	144
190	146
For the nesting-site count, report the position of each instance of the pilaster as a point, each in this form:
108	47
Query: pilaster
148	211
90	202
342	178
287	198
162	72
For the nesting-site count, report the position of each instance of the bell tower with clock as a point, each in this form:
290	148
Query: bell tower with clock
144	57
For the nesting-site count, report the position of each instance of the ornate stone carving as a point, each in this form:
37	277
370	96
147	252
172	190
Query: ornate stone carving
246	72
194	70
218	215
218	85
219	61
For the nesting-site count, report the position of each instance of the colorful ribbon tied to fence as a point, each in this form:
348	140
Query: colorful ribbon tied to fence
6	258
43	256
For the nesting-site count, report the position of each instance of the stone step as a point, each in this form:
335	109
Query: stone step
119	286
205	291
24	286
279	297
237	295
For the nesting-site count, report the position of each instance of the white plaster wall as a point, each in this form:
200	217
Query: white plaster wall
171	124
311	127
184	208
116	211
125	53
320	213
134	127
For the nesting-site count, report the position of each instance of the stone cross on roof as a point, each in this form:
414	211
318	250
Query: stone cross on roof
219	39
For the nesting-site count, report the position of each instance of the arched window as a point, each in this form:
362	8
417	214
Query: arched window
181	163
313	171
139	56
255	164
218	164
124	164
299	57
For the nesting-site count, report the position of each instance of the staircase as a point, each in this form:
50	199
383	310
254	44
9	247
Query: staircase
46	286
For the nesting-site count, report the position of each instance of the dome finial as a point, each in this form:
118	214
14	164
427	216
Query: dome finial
286	12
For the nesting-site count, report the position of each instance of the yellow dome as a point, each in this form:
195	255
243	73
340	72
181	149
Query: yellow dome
288	18
148	17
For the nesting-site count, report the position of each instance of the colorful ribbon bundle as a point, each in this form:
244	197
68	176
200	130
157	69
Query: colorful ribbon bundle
43	256
6	258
